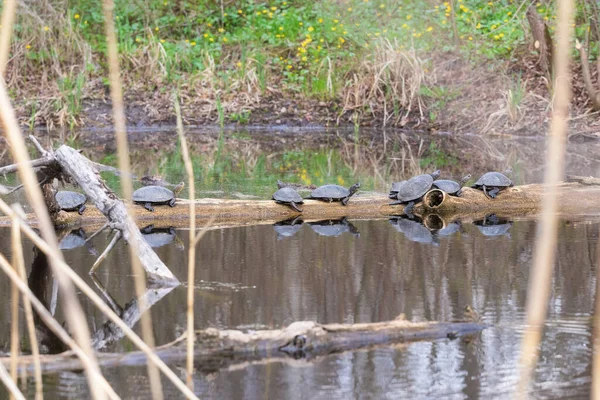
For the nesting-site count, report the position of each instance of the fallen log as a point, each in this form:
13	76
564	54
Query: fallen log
216	349
574	198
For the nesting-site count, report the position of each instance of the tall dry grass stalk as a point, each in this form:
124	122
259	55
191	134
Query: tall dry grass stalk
595	392
19	264
55	326
391	78
9	8
189	169
116	95
98	302
14	320
545	246
10	384
73	310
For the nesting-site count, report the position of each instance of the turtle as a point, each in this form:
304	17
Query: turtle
414	189
288	196
395	188
334	227
288	228
492	182
334	193
153	195
71	201
451	187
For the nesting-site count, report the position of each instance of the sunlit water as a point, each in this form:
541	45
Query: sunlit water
265	277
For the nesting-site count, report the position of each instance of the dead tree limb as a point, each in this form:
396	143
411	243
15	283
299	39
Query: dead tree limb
80	170
541	39
216	349
593	94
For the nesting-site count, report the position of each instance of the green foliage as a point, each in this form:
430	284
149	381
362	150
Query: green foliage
437	158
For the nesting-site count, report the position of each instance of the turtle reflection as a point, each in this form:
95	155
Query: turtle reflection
491	225
334	227
74	239
287	228
158	237
414	230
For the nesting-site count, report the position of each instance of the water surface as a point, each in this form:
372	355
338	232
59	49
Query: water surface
256	277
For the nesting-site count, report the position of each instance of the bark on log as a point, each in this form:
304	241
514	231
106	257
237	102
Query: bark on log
215	349
80	170
520	201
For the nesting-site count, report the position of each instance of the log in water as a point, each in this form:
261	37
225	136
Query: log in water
574	198
215	349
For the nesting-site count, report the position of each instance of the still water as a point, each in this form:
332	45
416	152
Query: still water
266	276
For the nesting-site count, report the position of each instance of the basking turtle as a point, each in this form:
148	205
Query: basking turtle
148	196
288	196
334	193
395	188
451	187
414	189
71	201
491	183
334	227
287	228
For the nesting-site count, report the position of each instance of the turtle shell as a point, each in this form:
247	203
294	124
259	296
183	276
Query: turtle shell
153	194
415	188
287	195
493	179
447	185
335	192
69	200
395	188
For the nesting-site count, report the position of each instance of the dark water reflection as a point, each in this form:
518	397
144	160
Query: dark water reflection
255	277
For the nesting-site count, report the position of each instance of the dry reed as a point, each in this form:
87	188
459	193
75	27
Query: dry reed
99	303
116	94
191	249
19	263
8	16
544	254
10	384
14	300
73	310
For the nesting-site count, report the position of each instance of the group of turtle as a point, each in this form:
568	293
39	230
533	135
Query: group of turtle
288	195
406	192
412	191
148	196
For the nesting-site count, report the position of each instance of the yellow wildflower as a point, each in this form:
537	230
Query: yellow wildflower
310	29
156	28
409	17
194	43
429	29
350	9
281	28
273	8
320	20
27	47
76	16
46	28
221	30
240	11
225	39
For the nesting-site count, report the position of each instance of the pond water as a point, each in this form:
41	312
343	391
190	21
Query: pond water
265	276
262	277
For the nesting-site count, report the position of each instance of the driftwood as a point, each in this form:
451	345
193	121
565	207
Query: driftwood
68	164
575	198
215	349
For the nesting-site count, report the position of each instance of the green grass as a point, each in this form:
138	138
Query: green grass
307	47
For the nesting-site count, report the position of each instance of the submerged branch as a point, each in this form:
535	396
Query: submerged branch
215	349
